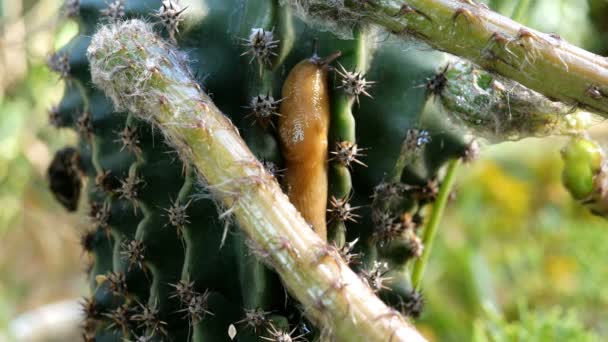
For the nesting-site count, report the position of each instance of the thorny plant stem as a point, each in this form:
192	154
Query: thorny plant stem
148	77
430	231
539	61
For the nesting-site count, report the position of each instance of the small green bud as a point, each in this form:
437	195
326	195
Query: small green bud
582	161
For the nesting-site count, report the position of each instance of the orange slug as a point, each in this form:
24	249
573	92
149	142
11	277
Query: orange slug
303	129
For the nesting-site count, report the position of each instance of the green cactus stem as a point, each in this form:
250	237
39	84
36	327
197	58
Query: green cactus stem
430	230
145	75
542	62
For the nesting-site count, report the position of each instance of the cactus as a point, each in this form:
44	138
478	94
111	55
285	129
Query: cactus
191	237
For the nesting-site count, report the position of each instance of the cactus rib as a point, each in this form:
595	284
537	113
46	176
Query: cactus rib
147	76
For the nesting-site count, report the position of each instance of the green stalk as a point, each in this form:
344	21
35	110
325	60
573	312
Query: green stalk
537	60
430	231
146	76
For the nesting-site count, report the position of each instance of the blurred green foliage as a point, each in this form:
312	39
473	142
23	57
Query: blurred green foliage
516	259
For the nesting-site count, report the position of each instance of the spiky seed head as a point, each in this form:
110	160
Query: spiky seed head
375	277
148	316
260	45
178	216
197	309
84	124
184	291
55	118
134	252
354	83
71	8
280	335
129	139
413	304
115	11
341	210
117	283
263	107
346	153
59	63
170	14
255	318
99	214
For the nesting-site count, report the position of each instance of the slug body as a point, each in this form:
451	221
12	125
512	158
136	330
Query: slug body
303	129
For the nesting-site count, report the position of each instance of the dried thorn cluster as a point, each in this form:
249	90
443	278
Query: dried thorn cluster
130	187
255	319
99	214
170	15
346	153
413	304
119	318
184	291
117	283
354	83
59	63
260	45
134	252
148	316
341	210
115	11
129	139
386	227
197	307
375	277
263	107
178	216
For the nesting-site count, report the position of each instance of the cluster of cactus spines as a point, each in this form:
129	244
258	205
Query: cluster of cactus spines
164	263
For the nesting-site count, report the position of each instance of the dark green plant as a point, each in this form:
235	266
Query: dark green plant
168	175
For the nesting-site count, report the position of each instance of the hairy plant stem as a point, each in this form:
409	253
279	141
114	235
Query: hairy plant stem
147	76
430	231
539	61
